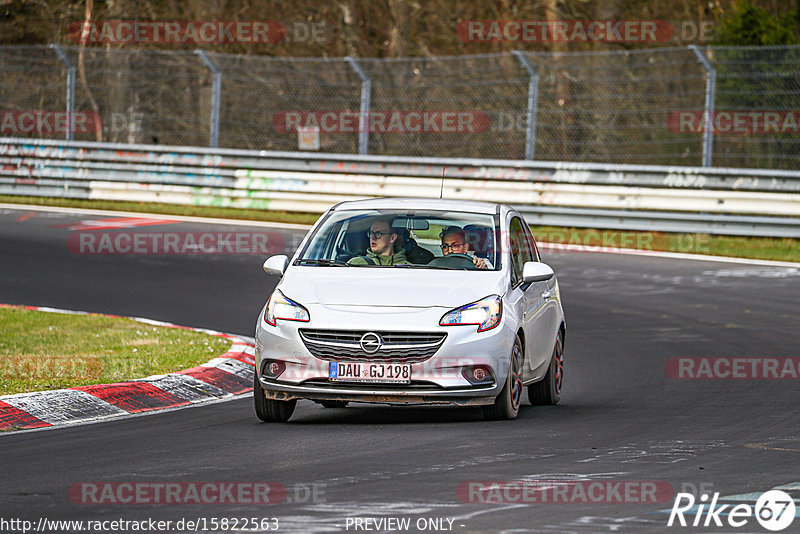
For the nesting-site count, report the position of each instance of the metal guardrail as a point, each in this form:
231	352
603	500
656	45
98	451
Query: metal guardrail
633	197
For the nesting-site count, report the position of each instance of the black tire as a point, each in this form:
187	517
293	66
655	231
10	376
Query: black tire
269	410
547	391
333	404
506	405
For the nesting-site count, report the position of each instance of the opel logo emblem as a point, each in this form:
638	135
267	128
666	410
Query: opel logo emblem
370	342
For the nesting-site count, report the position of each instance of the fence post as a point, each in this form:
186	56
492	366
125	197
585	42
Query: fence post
70	89
216	96
711	87
366	95
533	102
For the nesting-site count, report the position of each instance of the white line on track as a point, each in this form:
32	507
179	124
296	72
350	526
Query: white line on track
265	224
183	218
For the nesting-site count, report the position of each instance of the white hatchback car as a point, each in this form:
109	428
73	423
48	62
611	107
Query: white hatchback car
411	301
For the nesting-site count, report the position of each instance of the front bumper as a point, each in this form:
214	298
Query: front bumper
396	397
437	380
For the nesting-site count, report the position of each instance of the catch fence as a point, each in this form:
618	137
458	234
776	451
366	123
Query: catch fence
688	106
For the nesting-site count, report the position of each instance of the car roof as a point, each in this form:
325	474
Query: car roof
434	204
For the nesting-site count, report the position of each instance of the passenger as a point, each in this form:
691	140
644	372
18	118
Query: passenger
382	246
454	239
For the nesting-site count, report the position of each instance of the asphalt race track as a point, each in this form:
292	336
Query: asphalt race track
623	418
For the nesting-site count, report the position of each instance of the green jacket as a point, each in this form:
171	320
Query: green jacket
394	259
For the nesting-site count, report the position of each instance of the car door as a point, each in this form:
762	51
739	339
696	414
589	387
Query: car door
546	322
532	298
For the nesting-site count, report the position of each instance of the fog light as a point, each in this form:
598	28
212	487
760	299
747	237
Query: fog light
477	374
273	369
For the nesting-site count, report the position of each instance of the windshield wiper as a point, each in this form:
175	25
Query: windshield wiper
322	261
424	266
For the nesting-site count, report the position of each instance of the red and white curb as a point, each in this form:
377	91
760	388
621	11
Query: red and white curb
225	376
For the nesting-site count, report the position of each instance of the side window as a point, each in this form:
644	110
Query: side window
532	248
519	251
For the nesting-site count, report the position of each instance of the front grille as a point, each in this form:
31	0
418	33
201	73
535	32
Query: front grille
395	346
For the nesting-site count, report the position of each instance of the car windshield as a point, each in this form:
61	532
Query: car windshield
404	239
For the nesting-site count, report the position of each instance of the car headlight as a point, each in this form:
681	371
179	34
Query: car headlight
485	313
280	307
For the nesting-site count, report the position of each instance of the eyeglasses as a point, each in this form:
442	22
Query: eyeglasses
377	235
448	246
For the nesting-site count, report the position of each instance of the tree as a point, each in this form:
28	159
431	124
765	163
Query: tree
748	25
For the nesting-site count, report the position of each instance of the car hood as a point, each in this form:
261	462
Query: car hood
371	286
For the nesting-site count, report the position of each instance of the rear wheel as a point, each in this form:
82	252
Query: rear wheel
506	405
270	410
548	390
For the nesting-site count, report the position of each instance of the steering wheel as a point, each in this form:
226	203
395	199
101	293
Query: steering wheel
454	261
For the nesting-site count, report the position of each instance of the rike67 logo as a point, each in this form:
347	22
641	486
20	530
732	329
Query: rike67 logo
774	510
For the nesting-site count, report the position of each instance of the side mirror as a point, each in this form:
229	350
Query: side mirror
534	271
276	265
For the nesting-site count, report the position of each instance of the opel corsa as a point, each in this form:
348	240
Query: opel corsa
411	301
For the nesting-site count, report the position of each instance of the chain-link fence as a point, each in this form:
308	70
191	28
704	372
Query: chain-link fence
723	106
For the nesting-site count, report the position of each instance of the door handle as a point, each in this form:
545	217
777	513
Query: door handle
546	295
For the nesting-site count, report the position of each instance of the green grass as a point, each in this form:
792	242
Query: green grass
763	248
47	350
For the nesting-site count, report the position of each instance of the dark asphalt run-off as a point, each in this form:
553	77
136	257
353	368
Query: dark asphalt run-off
621	418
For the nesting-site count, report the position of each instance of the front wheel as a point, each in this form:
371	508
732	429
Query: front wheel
270	410
506	405
547	391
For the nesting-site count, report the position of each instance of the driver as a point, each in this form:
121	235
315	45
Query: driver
382	246
454	240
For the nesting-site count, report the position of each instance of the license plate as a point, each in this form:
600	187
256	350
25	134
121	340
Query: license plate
384	373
